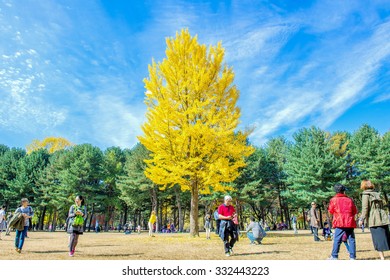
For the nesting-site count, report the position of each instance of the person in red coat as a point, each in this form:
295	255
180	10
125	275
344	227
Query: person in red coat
343	210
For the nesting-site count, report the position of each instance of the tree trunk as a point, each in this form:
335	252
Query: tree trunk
194	214
184	215
54	222
281	206
155	206
90	218
287	215
320	217
179	208
42	218
125	214
304	218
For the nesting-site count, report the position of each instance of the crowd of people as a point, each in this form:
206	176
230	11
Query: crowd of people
341	207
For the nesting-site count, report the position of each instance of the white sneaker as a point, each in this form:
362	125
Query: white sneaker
227	254
332	258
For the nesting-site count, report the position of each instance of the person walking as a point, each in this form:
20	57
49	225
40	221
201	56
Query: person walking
77	215
27	213
375	217
152	220
3	223
255	232
314	218
343	210
207	225
294	223
227	229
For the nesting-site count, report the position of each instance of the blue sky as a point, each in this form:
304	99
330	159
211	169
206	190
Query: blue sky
75	68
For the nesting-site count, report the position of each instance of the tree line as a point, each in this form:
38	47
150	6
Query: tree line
280	178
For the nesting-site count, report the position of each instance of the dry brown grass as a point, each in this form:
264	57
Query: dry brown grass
92	246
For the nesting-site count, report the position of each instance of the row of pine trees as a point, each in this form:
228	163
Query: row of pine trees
279	179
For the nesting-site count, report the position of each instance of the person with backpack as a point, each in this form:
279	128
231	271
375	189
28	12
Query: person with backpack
27	213
227	229
76	217
375	217
344	211
255	232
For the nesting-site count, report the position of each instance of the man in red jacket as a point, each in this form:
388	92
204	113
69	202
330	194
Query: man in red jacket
343	210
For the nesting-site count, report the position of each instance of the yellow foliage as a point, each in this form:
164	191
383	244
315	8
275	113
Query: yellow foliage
339	144
51	144
192	117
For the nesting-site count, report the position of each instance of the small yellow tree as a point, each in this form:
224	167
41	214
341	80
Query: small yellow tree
51	144
191	121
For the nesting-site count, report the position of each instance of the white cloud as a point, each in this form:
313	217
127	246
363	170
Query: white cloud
320	88
382	98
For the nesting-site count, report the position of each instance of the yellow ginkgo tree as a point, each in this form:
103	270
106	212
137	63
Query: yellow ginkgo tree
51	144
192	117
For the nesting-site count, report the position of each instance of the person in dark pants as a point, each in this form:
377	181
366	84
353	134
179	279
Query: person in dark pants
227	229
376	218
314	220
343	210
217	220
27	213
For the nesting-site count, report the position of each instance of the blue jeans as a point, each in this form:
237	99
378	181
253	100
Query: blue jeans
252	238
19	238
338	234
315	233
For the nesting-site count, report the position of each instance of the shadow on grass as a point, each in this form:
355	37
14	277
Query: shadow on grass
102	245
263	253
49	252
361	251
114	255
288	235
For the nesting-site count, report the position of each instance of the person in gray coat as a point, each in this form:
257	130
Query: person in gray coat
255	232
76	217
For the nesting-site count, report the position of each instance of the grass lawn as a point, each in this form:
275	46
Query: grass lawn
276	246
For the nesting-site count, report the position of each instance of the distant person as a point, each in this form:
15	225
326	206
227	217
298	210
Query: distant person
343	210
77	215
3	223
375	217
207	225
255	232
294	223
27	213
97	226
314	218
227	229
152	220
139	229
217	221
